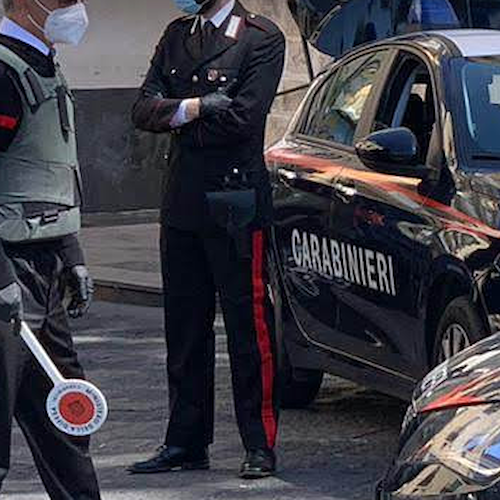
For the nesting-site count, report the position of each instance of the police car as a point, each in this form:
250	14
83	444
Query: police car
387	201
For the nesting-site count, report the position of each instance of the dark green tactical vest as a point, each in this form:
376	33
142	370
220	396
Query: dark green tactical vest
41	165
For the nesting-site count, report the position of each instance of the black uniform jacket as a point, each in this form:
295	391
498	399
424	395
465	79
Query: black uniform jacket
246	54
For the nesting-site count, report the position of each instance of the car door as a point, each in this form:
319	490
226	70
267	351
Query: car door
379	306
307	166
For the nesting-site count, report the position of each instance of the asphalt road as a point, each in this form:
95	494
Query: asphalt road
334	450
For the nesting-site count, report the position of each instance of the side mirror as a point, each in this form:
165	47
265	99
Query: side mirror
392	151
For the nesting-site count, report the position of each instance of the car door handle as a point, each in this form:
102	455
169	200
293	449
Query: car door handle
345	193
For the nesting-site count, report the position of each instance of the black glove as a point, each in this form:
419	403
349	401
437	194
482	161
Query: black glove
11	304
81	289
214	103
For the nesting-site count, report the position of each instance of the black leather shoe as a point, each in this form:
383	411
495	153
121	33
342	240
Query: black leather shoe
172	458
258	464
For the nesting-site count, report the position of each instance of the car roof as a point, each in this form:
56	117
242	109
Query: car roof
453	43
473	42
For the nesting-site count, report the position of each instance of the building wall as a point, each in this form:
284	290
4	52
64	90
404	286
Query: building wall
121	166
119	45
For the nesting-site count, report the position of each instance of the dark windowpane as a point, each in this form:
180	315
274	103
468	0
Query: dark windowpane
350	23
408	101
481	91
338	107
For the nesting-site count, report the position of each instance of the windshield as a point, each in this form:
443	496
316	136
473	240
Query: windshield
480	78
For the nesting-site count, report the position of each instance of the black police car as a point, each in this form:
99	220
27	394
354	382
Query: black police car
387	199
450	443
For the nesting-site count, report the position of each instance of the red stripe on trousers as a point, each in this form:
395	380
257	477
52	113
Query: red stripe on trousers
263	339
8	122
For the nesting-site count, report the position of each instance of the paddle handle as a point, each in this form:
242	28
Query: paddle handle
40	354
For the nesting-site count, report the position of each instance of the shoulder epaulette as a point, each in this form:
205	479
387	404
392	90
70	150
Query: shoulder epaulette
261	22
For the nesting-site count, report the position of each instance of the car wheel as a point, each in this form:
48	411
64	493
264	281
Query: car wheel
459	327
298	386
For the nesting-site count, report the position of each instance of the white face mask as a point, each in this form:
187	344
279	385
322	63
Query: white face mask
67	25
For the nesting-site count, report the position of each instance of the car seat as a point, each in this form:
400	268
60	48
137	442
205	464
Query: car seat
415	119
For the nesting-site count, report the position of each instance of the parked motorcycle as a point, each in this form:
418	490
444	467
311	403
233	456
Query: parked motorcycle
450	440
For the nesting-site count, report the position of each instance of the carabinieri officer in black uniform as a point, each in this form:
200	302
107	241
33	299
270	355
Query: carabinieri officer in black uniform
211	83
39	252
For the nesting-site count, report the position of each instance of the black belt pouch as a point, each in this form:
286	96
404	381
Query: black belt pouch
235	211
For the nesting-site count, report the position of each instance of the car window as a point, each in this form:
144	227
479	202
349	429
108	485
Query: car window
408	101
480	79
337	108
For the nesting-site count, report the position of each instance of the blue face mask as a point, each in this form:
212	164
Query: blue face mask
188	6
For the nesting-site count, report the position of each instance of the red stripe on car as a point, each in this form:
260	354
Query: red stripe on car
391	183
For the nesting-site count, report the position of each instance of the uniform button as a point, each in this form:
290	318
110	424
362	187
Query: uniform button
196	78
223	79
174	71
212	75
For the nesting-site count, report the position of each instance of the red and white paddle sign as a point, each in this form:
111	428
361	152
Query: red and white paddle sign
74	406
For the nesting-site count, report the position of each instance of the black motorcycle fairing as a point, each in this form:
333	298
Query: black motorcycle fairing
447	455
450	440
472	377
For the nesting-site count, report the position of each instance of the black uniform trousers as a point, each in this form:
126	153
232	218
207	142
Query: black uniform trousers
63	462
196	265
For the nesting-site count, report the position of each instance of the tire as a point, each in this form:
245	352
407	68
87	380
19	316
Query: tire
298	386
459	327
